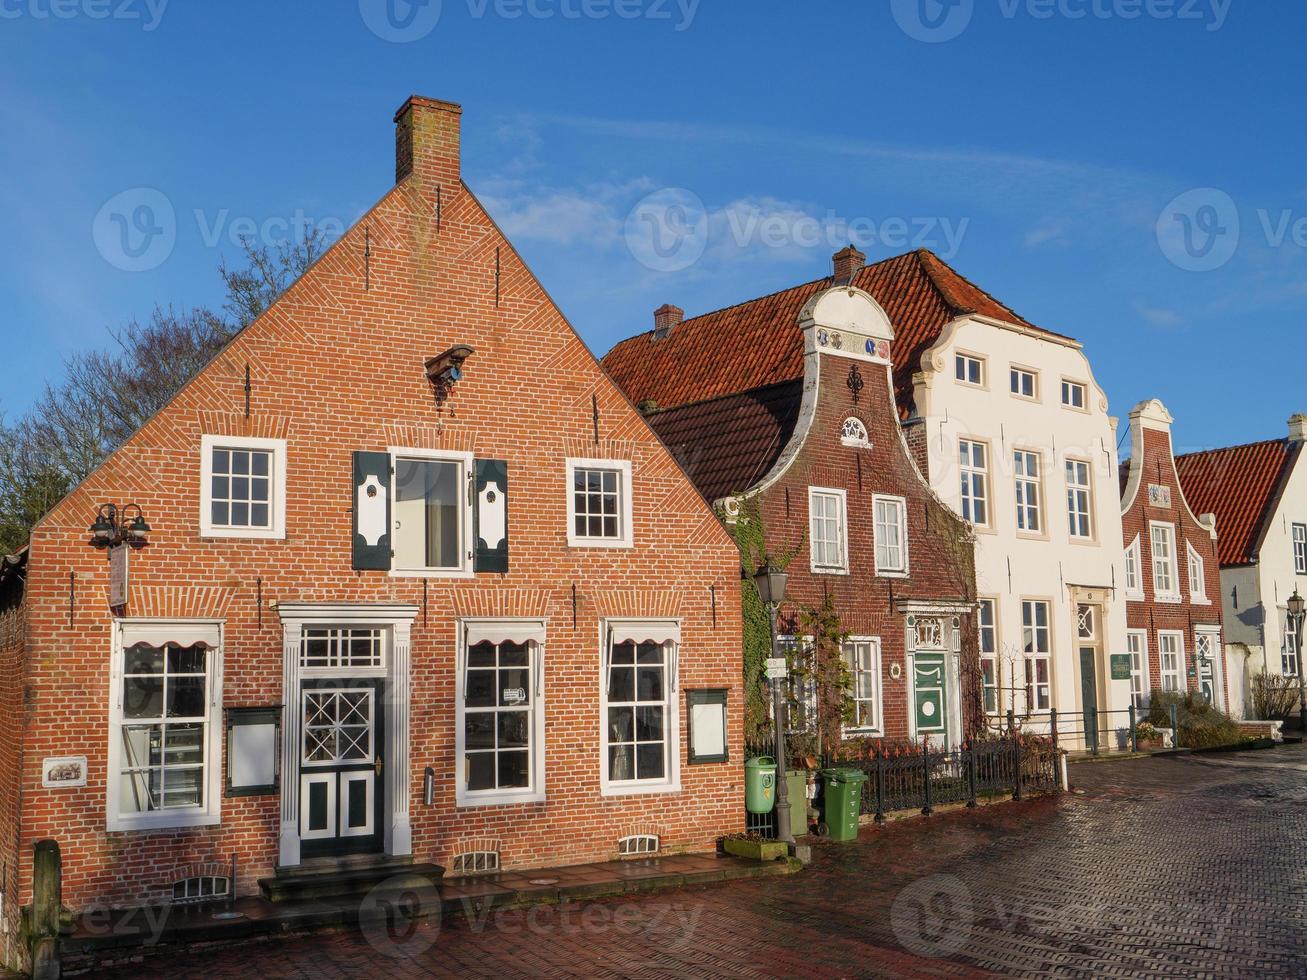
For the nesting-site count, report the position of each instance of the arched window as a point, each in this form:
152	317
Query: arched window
854	433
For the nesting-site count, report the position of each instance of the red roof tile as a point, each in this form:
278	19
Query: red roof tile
1240	485
758	343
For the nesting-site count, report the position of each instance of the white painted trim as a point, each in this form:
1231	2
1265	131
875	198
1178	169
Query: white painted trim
466	462
878	670
1194	561
1182	666
1145	665
1175	594
842	568
626	507
905	571
207	815
671	724
1134	553
277	501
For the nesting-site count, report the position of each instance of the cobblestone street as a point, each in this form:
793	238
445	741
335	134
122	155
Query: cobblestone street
1161	866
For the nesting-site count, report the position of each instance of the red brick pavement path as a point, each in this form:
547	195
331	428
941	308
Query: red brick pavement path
1158	866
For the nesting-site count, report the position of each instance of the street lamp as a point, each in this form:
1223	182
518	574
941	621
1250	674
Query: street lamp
771	590
1297	605
115	525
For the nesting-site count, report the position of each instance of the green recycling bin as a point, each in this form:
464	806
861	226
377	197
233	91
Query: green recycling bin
843	790
760	784
796	793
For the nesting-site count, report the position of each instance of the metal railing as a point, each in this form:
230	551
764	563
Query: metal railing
1097	732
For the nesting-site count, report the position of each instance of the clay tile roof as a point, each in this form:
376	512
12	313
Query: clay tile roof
725	445
1240	485
758	342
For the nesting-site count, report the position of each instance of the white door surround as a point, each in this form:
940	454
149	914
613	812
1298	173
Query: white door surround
397	620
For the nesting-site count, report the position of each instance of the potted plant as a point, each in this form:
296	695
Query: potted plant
755	846
1148	737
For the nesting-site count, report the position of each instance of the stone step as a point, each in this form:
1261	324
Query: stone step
348	881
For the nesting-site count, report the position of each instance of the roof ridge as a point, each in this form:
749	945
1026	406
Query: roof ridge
1282	440
723	396
953	301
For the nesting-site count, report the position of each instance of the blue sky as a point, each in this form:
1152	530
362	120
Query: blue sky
1039	149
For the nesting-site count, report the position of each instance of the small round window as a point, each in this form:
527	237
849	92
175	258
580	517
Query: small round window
854	433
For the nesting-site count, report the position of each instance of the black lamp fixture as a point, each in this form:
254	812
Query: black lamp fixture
445	369
116	525
1297	605
771	583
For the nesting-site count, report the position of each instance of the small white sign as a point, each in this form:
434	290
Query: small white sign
118	575
514	695
776	669
63	771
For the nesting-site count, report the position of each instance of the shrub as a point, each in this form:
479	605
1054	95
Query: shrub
1274	697
1200	725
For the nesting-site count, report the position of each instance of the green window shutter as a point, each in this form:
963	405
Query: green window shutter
490	516
371	498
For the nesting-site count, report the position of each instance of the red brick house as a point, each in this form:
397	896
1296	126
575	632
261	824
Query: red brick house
821	457
419	584
1172	572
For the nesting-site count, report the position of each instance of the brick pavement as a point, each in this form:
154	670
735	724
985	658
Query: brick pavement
1154	866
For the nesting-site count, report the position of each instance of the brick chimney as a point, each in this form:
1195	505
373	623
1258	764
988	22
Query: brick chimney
848	261
666	317
1298	427
427	144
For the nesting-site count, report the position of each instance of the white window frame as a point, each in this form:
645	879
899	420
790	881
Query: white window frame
1078	494
1016	373
1137	648
1026	487
1182	684
1298	534
962	361
842	515
1288	649
1213	635
1134	569
466	464
1197	570
1070	384
277	501
625	505
888	571
877	700
969	475
992	603
211	812
536	645
1029	658
671	782
802	691
1170	562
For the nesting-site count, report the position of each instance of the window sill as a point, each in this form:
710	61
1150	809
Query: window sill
431	573
1082	542
166	821
1031	536
598	542
880	573
468	799
1173	600
633	789
1199	601
242	533
1134	597
819	570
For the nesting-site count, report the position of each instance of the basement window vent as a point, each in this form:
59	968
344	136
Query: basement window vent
470	862
638	844
201	888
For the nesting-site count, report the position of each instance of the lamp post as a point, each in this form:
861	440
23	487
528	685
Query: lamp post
1297	605
771	590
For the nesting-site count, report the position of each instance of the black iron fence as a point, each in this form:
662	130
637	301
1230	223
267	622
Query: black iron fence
914	776
1096	732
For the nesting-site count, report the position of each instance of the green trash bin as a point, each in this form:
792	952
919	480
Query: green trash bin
843	793
796	790
760	784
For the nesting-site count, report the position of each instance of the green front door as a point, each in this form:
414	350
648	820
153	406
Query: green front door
928	694
1089	695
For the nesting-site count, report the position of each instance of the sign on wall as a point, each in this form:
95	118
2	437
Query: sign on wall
707	725
1158	495
118	575
1120	666
63	772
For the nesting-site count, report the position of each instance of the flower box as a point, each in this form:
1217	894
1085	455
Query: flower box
757	850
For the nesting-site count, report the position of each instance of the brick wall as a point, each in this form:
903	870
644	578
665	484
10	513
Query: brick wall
941	555
13	623
336	368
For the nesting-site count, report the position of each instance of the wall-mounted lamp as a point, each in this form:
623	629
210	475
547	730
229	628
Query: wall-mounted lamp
444	370
429	786
116	525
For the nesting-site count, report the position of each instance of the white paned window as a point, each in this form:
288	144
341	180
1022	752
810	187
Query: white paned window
599	506
1300	549
801	713
1078	497
1137	645
1134	575
639	717
973	462
501	723
862	658
969	369
432	517
1289	651
1026	473
242	487
1166	578
827	530
891	530
342	648
988	617
1074	395
1197	575
164	720
1037	650
1024	383
1170	659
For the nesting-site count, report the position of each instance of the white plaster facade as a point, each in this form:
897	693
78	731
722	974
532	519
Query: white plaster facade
1051	565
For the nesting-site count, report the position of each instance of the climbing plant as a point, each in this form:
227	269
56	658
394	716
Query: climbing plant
833	682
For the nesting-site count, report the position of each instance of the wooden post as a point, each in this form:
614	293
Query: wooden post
47	903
